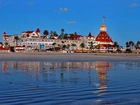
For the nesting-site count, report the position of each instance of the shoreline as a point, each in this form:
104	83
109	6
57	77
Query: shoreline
70	57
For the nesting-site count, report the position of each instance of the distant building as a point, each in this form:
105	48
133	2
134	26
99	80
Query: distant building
103	39
31	34
31	40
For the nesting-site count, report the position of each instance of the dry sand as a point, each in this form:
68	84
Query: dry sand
69	57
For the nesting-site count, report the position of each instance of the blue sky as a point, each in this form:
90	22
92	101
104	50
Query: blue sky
81	16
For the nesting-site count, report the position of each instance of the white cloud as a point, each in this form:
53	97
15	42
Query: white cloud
71	22
133	5
3	3
63	9
30	3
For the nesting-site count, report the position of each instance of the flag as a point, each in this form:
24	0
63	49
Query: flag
104	17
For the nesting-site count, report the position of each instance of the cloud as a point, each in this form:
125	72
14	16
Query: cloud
71	22
30	3
63	9
133	5
3	3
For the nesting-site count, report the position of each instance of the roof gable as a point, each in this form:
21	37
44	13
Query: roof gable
103	37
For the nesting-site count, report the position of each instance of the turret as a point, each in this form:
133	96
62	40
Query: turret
4	34
38	32
103	28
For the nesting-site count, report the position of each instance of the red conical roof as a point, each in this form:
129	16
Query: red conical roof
89	35
103	37
38	30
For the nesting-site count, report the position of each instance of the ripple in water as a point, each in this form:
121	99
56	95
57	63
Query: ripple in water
69	83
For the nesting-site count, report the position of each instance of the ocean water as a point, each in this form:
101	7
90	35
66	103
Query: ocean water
69	83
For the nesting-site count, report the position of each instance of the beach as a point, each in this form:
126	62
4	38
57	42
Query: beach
69	57
69	78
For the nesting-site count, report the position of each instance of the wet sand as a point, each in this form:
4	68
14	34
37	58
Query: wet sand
69	57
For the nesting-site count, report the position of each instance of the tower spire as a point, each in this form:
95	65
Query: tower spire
103	28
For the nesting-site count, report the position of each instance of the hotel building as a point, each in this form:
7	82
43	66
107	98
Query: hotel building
31	40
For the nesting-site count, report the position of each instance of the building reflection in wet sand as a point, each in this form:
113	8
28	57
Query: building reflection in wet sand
50	69
21	65
87	78
72	72
102	68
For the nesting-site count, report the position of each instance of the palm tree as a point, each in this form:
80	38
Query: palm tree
59	46
131	43
68	46
16	38
51	34
62	33
91	45
115	44
62	30
136	47
75	33
62	44
6	44
138	43
127	45
46	33
63	47
54	45
73	45
82	45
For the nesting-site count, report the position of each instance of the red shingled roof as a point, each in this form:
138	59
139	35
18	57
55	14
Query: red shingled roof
75	36
103	37
1	48
43	37
28	32
38	30
90	35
